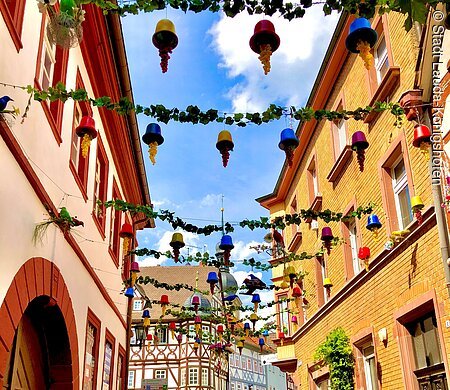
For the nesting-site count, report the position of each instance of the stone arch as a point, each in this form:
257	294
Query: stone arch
37	277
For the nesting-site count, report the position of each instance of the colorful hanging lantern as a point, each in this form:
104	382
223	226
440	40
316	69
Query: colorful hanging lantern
296	292
265	334
149	338
220	331
129	292
416	206
291	275
284	284
176	243
247	328
165	40
240	346
256	300
226	244
195	302
134	270
153	138
261	343
359	145
361	39
373	224
86	131
179	338
198	324
281	336
422	136
197	342
172	328
264	42
294	320
146	317
212	280
164	303
364	255
327	283
254	319
126	232
288	144
327	238
225	145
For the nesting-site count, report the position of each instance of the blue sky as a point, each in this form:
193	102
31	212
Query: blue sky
214	67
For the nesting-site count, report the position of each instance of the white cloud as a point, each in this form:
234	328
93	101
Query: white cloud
243	251
293	65
211	200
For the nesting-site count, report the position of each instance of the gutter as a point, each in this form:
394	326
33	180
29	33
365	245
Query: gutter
118	46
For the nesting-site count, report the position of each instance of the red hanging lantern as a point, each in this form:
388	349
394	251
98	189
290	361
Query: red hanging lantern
164	303
364	254
126	232
281	336
422	136
264	42
86	130
172	328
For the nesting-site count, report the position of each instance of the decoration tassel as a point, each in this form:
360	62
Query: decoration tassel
134	277
264	57
176	255
365	54
85	144
164	53
361	156
225	152
424	149
418	216
375	234
125	245
255	307
289	151
152	151
163	309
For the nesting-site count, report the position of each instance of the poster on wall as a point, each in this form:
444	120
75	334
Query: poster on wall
107	366
154	384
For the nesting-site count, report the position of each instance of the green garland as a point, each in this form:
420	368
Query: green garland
263	223
415	10
193	114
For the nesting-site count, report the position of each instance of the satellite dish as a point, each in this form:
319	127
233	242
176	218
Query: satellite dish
268	238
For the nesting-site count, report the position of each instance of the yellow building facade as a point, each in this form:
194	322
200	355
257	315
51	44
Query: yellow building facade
395	312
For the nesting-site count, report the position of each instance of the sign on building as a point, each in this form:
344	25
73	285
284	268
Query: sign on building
154	384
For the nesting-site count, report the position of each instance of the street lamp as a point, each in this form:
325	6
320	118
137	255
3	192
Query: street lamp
140	334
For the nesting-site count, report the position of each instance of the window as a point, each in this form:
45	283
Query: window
381	59
137	305
108	359
401	194
161	334
323	274
239	386
51	68
115	226
233	386
396	185
370	368
183	377
133	340
131	379
91	352
354	247
351	244
205	377
323	384
12	11
341	135
120	382
249	364
100	187
160	374
206	333
283	317
193	376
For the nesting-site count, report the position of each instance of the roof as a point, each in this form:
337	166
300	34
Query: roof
174	275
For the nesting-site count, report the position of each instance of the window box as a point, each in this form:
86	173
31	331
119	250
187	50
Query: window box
341	162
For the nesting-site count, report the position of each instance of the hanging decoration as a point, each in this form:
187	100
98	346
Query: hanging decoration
153	138
422	136
264	42
253	319
281	336
197	342
129	292
195	302
265	334
172	328
374	225
179	338
226	244
327	283
220	330
361	39
294	321
86	131
212	280
364	255
134	270
164	302
416	207
176	243
256	300
247	328
146	317
64	28
240	345
198	324
165	40
327	238
126	232
261	343
288	144
359	145
225	145
291	275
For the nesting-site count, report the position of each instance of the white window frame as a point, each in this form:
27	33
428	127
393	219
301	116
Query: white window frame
315	180
131	379
341	134
398	185
352	234
205	377
160	374
162	335
367	373
137	305
379	60
324	274
193	376
76	141
47	47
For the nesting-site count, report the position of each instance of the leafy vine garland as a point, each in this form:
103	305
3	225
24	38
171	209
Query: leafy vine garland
193	114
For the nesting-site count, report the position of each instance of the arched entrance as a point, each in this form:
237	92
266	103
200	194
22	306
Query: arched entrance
39	333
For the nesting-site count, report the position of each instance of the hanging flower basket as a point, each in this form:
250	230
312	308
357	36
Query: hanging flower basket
64	28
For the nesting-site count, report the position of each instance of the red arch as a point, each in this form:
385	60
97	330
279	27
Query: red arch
36	277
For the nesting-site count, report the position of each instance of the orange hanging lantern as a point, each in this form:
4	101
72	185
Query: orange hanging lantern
225	145
126	232
264	42
165	39
253	320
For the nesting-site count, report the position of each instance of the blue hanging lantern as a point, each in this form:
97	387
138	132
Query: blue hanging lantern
247	328
265	333
373	224
153	138
256	300
288	144
261	344
226	244
146	317
212	281
360	39
129	292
